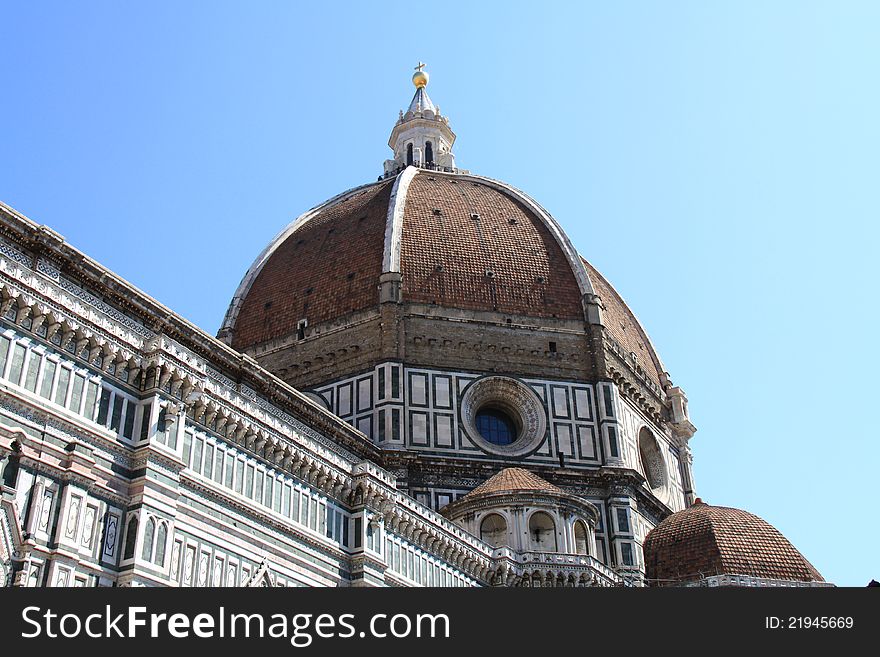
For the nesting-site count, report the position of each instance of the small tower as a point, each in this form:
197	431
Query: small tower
422	136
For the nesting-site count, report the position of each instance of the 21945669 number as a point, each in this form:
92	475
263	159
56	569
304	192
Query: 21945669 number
809	623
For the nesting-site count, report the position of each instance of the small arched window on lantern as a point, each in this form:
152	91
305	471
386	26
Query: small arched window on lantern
409	154
429	153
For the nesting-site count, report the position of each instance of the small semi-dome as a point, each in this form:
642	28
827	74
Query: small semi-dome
510	480
705	541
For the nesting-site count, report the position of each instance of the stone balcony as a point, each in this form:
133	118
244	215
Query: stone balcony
543	569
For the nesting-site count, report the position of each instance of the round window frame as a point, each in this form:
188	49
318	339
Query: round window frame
516	400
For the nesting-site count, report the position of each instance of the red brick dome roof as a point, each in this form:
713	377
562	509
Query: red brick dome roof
455	240
706	540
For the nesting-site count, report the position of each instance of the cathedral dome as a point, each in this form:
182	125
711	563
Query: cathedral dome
456	240
705	541
400	268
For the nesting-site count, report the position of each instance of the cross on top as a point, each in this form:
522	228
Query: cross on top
420	67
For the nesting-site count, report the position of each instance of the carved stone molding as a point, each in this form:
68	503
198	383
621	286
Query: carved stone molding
514	398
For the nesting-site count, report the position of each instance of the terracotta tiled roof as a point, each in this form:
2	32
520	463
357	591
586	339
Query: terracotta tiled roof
467	245
328	268
511	479
623	326
716	540
464	244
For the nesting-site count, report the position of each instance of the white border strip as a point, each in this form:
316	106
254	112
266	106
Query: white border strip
394	222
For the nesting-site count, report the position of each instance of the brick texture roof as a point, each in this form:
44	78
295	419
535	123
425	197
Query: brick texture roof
445	255
716	540
511	479
464	245
328	268
622	324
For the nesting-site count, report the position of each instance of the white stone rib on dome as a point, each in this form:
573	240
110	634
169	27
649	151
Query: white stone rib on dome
394	221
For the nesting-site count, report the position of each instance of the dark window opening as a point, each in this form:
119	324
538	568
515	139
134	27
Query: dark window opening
409	154
495	426
429	153
552	347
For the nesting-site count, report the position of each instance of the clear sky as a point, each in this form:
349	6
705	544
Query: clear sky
718	161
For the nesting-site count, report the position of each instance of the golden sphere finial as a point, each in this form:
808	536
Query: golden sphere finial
420	77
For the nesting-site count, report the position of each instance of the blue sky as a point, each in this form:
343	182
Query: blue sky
718	162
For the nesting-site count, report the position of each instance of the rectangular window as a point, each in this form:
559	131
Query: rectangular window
623	521
49	370
294	506
128	427
276	500
609	401
30	379
4	351
358	526
145	422
187	446
116	415
61	389
338	522
197	454
249	481
305	510
285	508
345	530
172	438
395	424
270	481
612	442
76	393
322	518
209	460
17	364
381	392
626	553
230	464
239	474
218	466
91	398
313	513
381	426
395	382
258	486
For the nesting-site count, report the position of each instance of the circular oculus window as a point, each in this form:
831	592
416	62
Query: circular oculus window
503	416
